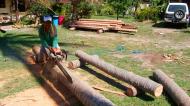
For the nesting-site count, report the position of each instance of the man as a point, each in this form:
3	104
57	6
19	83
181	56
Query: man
48	37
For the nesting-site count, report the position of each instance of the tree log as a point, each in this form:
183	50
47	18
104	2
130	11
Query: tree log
86	94
178	95
78	63
142	83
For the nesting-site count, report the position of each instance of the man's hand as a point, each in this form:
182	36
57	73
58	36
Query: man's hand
56	50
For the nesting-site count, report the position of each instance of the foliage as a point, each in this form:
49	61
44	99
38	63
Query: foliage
161	6
26	20
107	10
120	6
85	9
38	9
149	13
62	9
154	12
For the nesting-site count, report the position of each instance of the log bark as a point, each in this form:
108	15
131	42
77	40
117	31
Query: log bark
142	83
86	94
131	91
178	94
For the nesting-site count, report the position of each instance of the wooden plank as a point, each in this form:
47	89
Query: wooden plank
110	91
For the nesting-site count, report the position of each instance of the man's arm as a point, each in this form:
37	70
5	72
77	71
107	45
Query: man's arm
42	39
55	38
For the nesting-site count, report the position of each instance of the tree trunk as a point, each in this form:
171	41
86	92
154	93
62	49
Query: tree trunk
17	11
86	94
142	83
178	95
117	14
37	19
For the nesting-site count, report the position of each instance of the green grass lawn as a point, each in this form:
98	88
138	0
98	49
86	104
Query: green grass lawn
15	77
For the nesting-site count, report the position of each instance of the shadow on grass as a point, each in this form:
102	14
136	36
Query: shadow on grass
12	46
186	31
74	44
169	25
7	23
114	83
109	31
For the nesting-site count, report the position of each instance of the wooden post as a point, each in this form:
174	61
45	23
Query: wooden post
142	83
178	95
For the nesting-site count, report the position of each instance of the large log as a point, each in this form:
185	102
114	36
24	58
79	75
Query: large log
78	63
142	83
86	94
131	91
178	95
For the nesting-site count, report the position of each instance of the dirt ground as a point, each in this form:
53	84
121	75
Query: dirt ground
48	94
31	97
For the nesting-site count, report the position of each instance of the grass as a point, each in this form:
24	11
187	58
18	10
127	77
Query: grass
14	44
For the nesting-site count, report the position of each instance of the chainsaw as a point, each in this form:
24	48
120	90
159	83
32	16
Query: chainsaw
57	58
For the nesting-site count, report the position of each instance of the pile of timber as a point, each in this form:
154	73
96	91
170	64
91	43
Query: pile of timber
103	25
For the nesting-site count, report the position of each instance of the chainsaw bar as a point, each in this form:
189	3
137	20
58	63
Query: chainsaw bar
57	60
64	70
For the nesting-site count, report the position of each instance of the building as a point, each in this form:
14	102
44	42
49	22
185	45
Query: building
8	6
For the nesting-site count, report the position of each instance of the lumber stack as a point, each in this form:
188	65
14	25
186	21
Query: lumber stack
103	25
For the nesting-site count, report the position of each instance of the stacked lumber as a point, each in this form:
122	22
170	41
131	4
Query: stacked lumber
103	25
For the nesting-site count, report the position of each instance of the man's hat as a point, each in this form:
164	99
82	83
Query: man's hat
47	18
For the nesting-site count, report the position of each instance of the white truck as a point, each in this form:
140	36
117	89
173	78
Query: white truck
177	13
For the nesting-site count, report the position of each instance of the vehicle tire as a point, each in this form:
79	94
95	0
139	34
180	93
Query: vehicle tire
179	14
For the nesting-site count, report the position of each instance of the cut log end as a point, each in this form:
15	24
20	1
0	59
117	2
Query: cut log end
75	64
72	28
158	91
131	91
100	31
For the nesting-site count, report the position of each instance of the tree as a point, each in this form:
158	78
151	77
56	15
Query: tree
119	5
40	8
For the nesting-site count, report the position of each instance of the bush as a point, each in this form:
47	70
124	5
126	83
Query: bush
38	9
107	10
62	9
26	20
149	13
85	9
